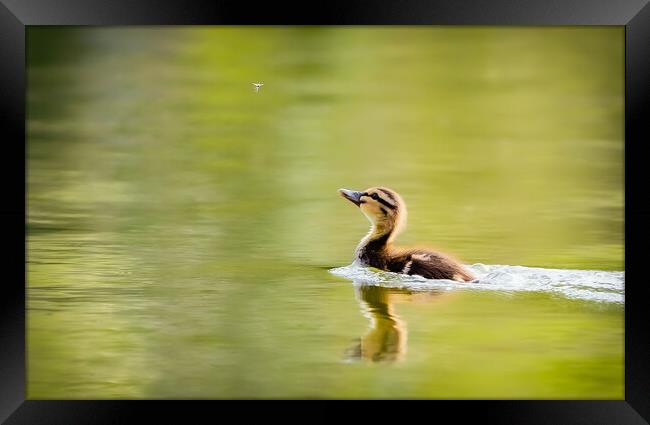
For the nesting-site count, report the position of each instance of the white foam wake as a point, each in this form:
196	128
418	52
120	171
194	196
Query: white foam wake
593	285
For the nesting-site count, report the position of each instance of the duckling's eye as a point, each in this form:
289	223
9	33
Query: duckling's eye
374	196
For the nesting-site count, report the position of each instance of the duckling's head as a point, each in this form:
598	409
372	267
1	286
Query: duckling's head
384	207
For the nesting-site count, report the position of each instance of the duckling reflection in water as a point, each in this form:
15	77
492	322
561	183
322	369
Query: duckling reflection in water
387	214
386	340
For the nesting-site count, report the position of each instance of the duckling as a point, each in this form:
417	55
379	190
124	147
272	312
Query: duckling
387	214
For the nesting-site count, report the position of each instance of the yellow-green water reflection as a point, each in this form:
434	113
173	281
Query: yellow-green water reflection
181	226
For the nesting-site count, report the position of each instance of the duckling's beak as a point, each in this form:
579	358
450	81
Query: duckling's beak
352	196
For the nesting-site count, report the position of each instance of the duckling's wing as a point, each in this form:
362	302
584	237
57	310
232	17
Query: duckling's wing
430	266
433	265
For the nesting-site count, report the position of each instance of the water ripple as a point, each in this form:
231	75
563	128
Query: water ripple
592	285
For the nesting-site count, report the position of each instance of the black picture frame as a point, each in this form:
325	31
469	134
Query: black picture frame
15	15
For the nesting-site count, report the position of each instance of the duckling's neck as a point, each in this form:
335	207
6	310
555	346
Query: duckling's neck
374	244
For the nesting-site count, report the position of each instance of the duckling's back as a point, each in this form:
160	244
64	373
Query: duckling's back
428	264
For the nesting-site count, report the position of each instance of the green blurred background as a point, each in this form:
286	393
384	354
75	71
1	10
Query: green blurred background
180	225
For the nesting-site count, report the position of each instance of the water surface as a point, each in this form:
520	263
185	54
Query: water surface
181	227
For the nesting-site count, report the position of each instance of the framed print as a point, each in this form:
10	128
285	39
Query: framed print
196	183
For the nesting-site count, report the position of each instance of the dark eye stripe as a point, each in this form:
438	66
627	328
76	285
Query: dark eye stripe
379	199
388	204
383	201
